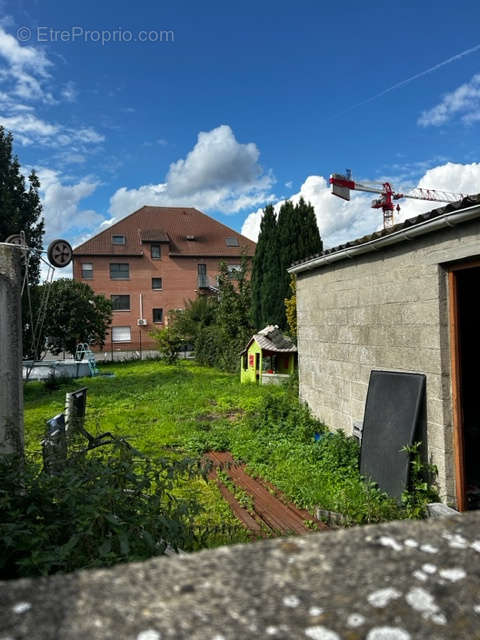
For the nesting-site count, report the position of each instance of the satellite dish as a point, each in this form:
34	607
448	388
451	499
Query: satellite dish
59	253
15	238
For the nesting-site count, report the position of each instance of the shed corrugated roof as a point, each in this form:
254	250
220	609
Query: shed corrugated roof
469	201
173	223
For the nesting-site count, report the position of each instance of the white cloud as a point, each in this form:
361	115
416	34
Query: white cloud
124	200
69	92
9	105
72	156
28	124
464	101
25	77
215	161
87	135
22	56
29	129
219	173
340	221
27	66
60	199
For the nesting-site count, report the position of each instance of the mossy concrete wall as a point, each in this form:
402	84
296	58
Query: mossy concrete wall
398	581
387	309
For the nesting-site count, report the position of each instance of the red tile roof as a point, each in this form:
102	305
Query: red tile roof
154	235
173	224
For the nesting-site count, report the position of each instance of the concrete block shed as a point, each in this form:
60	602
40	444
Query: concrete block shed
401	299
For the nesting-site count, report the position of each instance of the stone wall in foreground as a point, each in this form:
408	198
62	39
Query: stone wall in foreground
398	581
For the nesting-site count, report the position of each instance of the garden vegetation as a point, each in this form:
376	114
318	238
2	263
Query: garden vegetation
122	505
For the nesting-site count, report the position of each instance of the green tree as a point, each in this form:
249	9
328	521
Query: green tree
74	314
266	273
197	314
234	305
19	204
291	236
299	238
220	326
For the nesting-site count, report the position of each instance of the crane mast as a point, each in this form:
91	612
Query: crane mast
342	185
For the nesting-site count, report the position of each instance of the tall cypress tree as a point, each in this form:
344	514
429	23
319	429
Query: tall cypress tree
20	207
299	238
311	240
271	302
263	256
293	236
290	238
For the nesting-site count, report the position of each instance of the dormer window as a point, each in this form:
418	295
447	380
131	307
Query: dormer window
231	242
118	239
156	251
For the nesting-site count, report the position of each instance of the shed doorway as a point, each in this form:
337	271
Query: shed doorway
464	281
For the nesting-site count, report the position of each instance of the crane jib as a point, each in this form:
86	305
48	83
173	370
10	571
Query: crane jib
342	184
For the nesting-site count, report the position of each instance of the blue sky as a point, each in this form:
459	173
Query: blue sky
228	107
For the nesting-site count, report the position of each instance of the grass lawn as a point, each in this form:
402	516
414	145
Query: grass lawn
159	408
186	409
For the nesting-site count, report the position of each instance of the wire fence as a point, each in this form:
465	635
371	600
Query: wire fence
139	347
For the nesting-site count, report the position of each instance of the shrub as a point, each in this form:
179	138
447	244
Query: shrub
422	488
207	346
168	343
285	415
105	507
282	442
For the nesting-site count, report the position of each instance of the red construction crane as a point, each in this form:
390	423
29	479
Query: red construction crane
341	186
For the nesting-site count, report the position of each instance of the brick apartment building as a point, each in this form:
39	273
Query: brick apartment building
151	262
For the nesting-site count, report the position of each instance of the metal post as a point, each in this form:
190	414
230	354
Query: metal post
140	332
11	386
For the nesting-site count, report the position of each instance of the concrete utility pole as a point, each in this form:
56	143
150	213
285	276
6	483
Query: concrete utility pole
11	385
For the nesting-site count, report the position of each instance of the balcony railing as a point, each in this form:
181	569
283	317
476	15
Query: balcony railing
206	282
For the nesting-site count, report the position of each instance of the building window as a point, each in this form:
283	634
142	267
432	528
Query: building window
119	271
120	302
156	251
157	284
202	282
231	242
118	239
157	315
121	334
87	270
